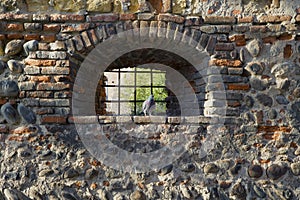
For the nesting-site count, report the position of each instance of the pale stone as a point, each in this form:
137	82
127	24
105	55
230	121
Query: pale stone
120	7
254	47
102	6
67	6
179	6
37	5
283	70
14	47
134	6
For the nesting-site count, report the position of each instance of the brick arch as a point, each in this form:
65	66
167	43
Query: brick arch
79	46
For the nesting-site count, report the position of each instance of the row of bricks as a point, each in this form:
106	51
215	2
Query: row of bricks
111	17
46	78
88	39
123	26
78	27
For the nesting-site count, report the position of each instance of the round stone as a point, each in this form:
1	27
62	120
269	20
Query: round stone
281	100
255	68
275	171
210	168
288	194
91	173
239	191
15	66
9	113
295	168
254	47
188	167
283	84
295	108
165	170
30	46
8	88
26	114
272	114
283	70
258	84
3	65
137	195
235	169
296	92
13	47
264	100
255	171
71	173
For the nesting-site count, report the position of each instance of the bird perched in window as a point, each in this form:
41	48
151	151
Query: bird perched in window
149	105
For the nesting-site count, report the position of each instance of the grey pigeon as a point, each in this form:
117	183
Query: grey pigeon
149	105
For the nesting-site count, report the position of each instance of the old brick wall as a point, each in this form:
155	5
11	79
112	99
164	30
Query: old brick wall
255	45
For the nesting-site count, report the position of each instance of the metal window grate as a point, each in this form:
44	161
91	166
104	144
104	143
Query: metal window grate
124	90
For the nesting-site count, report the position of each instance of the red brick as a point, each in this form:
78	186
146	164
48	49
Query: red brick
13	36
86	39
34	62
274	18
93	36
52	27
274	129
65	28
24	130
287	51
14	27
233	103
236	37
104	18
270	39
285	36
239	39
236	12
2	37
16	17
62	78
238	86
248	19
67	18
225	62
171	18
48	38
53	119
258	28
129	16
40	78
32	36
39	94
271	136
219	20
53	86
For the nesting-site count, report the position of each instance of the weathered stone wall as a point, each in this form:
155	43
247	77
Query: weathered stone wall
254	44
